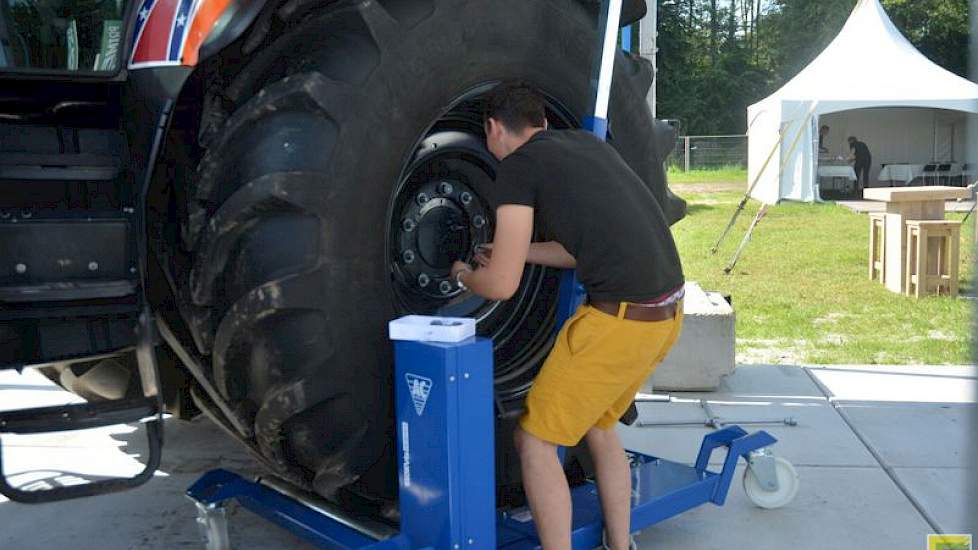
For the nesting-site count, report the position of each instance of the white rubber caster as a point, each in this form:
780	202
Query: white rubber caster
764	497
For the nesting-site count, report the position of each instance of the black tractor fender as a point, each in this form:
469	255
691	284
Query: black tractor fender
240	15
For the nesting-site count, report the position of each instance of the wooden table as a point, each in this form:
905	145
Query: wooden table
908	203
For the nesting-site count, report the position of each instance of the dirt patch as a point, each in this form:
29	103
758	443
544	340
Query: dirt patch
761	351
724	187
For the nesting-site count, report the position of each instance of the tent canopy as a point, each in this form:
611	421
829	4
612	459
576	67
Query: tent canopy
870	64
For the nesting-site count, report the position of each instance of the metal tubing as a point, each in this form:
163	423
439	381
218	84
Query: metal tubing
604	69
368	528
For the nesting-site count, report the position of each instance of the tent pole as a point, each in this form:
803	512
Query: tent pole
757	178
746	239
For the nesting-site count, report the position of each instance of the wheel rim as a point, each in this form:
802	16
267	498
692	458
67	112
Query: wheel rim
440	211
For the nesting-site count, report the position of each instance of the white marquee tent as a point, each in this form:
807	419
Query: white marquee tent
869	82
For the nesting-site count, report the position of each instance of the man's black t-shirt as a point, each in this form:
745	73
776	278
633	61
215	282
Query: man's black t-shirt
861	153
586	198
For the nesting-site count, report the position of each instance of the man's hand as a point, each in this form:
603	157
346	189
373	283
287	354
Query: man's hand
483	254
459	267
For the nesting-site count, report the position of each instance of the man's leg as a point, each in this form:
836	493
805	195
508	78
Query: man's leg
614	484
546	490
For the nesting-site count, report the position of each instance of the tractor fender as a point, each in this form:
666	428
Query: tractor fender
233	22
239	15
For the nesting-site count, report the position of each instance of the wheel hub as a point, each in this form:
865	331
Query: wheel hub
445	222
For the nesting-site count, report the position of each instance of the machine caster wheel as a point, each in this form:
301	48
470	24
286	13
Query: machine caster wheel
784	491
212	521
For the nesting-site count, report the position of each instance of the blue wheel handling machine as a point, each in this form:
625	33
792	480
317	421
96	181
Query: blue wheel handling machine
445	424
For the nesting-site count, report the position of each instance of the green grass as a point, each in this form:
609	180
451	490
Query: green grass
730	174
801	290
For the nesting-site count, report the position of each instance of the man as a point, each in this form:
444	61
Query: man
822	132
605	223
861	160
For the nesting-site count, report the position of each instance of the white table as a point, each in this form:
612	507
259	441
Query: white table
846	172
909	172
831	172
901	172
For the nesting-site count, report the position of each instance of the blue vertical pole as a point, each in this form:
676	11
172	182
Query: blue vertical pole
571	293
626	38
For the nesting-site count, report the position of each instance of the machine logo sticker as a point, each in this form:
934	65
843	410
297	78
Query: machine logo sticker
948	542
420	388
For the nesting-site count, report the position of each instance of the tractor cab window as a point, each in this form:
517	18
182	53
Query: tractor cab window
62	35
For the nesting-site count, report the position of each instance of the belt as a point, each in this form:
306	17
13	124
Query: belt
638	313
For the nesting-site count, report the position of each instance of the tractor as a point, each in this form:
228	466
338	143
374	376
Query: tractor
216	206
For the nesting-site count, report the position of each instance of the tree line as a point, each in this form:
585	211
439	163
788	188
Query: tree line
716	57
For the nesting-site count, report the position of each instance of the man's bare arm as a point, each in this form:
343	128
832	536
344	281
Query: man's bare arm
551	254
500	279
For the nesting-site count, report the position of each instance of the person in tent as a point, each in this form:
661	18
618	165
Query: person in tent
822	132
862	160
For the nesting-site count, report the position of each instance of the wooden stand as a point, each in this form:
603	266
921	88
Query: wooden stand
902	204
877	247
931	270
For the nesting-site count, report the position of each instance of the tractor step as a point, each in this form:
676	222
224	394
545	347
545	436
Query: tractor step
147	408
77	416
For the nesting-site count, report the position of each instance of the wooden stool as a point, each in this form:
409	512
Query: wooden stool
922	274
877	246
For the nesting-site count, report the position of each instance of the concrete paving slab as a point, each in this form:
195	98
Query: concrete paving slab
821	437
916	435
952	371
154	516
941	492
762	381
835	508
853	385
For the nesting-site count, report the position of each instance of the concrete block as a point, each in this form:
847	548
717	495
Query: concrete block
704	353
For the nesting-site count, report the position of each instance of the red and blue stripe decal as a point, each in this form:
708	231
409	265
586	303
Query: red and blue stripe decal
161	32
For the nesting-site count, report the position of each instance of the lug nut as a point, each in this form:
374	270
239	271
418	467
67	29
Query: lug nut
445	188
408	225
422	198
20	268
93	266
423	280
478	221
445	287
408	256
466	198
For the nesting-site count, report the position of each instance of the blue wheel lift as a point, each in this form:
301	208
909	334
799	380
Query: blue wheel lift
445	422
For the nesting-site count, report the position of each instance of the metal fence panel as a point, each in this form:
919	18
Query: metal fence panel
709	152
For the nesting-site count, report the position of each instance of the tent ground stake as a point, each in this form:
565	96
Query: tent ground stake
743	243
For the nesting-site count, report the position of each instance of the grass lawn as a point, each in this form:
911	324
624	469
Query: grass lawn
732	174
801	290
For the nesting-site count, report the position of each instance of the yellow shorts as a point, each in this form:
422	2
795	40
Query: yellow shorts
590	378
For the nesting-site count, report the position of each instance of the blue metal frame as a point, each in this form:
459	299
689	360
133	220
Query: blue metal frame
571	294
445	434
218	486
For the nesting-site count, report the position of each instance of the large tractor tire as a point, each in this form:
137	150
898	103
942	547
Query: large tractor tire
350	172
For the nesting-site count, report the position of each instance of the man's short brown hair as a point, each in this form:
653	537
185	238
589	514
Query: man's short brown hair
517	105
